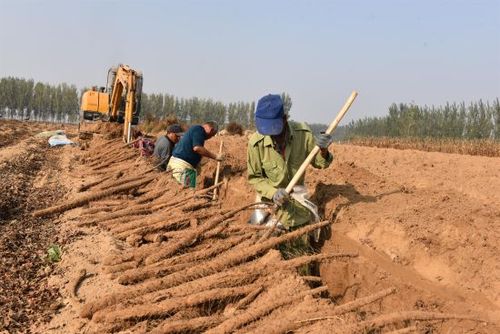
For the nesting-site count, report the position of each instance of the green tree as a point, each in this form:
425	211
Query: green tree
287	102
496	118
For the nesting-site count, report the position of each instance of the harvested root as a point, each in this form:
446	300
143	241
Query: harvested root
315	279
306	259
191	236
157	272
160	237
141	274
121	267
204	269
398	317
186	198
243	275
252	314
122	181
341	309
200	204
123	231
113	162
93	210
248	299
110	224
163	309
355	304
187	325
85	187
411	329
130	210
91	197
151	196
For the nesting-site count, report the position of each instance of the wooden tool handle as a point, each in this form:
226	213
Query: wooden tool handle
217	172
316	149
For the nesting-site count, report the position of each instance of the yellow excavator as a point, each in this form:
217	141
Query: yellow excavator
119	101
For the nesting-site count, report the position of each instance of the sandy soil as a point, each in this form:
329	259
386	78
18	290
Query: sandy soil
427	223
29	181
151	258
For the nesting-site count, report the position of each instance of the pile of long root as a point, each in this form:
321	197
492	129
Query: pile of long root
191	265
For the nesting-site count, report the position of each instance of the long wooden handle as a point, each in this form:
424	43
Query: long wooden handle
316	149
217	172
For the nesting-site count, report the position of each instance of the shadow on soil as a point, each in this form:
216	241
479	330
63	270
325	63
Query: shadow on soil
346	195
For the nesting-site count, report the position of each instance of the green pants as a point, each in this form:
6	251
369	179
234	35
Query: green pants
188	178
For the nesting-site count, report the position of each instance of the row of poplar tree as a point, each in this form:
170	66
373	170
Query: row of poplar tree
25	99
478	120
196	110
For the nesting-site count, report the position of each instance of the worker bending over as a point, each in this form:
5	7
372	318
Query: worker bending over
185	161
275	153
165	145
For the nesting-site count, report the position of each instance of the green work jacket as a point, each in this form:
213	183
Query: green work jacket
268	171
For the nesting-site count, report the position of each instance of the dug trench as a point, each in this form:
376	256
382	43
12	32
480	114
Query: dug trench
425	223
28	182
143	255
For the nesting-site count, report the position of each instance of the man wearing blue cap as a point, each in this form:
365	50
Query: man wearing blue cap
275	154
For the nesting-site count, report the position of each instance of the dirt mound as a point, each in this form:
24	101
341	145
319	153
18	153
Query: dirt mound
423	222
110	130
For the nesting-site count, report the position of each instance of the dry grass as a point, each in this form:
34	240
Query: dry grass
157	125
483	147
234	128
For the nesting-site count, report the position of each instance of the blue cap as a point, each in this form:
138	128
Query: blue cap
269	115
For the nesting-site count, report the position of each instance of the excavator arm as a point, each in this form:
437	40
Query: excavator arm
129	81
121	102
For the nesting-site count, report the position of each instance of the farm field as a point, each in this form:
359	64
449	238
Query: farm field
413	243
482	147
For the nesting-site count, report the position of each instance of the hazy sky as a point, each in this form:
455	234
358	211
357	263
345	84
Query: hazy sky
426	52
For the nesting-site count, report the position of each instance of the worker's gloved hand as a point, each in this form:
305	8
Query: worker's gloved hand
280	197
219	157
323	140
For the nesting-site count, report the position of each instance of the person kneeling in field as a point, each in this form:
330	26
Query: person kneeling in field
165	145
187	154
275	153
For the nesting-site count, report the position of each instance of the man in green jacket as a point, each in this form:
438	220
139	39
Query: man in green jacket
275	154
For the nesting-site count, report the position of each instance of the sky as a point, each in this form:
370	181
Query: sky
424	52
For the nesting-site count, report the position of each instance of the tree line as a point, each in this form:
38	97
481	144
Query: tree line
477	120
26	99
196	110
